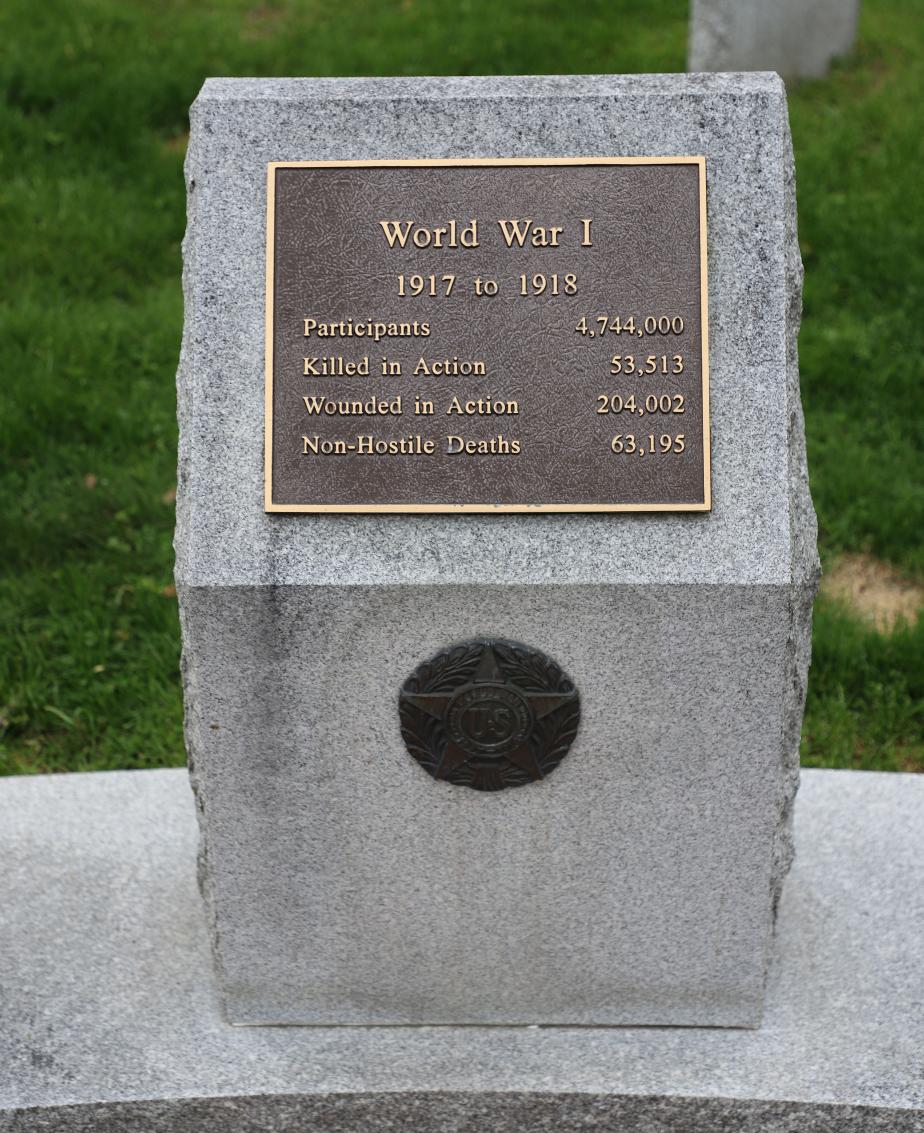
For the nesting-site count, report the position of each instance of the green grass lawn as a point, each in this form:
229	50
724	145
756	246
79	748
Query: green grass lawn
92	134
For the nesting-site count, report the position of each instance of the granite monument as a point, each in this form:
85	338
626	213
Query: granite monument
494	676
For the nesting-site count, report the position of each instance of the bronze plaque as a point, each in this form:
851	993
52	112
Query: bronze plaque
489	714
487	335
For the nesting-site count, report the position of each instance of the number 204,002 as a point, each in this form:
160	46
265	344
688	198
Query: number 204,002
653	403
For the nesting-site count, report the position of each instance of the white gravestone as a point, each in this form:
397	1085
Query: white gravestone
797	38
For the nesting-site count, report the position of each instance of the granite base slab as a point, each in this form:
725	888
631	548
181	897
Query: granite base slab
110	1017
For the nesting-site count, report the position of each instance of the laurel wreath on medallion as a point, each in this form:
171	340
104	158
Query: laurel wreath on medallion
489	714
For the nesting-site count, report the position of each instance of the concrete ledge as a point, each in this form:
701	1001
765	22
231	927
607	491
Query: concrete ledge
109	1016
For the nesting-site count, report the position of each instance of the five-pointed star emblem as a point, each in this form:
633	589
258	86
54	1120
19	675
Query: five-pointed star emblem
488	673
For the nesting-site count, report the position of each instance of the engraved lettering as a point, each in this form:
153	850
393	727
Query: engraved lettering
319	446
369	407
495	446
335	367
450	235
394	446
449	367
516	232
482	407
348	328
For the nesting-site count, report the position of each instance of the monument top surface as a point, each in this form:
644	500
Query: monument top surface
737	123
482	87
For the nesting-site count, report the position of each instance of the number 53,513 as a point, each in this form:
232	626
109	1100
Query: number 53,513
654	363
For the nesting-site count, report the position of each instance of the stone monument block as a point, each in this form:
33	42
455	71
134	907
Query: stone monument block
797	38
501	741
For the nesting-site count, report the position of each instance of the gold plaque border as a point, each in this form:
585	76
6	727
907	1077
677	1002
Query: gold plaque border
271	506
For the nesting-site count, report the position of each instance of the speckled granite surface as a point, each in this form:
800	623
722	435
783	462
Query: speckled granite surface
110	1016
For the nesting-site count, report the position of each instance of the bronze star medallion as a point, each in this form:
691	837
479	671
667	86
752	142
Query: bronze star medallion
489	714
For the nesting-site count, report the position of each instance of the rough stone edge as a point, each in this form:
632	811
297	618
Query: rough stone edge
461	1112
192	729
192	724
803	533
